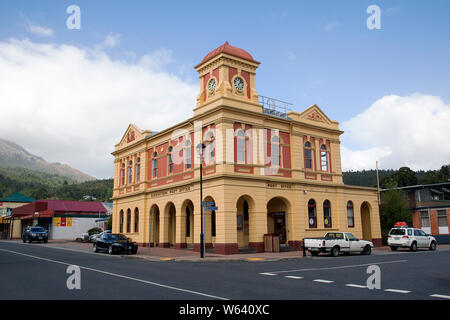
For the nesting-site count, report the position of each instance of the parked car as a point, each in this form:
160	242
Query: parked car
35	234
97	235
412	238
336	242
114	242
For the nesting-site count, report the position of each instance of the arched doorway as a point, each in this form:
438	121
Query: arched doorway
188	226
245	222
365	221
209	224
154	226
170	214
277	218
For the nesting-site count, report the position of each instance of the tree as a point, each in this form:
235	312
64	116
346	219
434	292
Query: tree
394	207
109	224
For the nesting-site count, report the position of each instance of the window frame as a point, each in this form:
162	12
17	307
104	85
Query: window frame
352	217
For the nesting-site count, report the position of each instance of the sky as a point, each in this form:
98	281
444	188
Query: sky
68	95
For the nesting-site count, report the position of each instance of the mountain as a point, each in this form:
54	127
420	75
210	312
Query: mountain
13	155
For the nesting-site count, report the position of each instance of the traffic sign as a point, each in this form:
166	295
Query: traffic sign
211	208
206	203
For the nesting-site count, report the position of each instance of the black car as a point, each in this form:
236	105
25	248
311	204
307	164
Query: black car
35	234
115	242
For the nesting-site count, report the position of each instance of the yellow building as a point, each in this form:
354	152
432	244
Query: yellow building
267	169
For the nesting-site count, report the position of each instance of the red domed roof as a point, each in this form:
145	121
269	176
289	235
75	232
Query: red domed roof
229	49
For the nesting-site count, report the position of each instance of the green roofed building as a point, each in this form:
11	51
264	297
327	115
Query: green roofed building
6	205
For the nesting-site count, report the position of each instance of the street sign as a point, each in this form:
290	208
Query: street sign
211	208
206	203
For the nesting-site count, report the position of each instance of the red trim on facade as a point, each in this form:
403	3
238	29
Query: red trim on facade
226	248
257	246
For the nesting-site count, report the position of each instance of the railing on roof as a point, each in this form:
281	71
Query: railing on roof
274	107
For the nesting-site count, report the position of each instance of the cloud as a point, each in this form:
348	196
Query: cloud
398	131
330	26
111	40
72	105
39	30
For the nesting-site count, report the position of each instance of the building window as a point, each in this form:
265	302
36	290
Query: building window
188	154
327	214
424	219
122	175
323	158
276	151
210	150
308	151
155	165
312	216
136	220
130	172
240	146
128	221
138	170
442	222
121	221
170	160
350	215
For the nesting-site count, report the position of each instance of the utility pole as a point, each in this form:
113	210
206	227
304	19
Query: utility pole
378	186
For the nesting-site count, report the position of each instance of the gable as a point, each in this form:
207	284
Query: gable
132	134
316	115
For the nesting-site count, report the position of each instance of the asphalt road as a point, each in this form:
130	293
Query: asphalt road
34	271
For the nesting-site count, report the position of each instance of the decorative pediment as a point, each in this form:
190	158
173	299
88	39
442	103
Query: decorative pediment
314	113
132	134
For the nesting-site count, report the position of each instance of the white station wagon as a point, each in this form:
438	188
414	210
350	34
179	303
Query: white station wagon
412	238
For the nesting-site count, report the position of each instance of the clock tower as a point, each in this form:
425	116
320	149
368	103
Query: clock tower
227	76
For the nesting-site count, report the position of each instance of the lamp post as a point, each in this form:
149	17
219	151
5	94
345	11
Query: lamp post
200	148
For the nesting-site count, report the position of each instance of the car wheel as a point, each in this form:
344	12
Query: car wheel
413	247
335	251
433	246
95	248
24	240
45	241
393	248
367	250
29	240
110	249
134	251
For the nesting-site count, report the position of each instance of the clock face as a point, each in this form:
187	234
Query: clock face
239	83
212	85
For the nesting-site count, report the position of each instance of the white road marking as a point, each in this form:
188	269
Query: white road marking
293	277
356	286
440	296
323	281
268	274
338	267
397	291
119	276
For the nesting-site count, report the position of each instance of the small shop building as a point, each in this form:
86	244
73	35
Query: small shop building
63	219
6	206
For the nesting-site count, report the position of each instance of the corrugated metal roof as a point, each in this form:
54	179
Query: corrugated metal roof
17	197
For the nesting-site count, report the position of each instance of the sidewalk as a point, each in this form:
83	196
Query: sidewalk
169	254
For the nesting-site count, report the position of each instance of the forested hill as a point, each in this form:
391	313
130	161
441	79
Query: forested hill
41	185
396	178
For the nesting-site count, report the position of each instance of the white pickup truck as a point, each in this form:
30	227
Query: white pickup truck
336	242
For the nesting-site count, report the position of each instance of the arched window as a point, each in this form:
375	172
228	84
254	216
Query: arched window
122	175
169	160
136	220
121	221
323	158
130	172
312	215
308	152
128	221
350	214
155	165
240	147
188	154
137	171
327	214
210	150
276	151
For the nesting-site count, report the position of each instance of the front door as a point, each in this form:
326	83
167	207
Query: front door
280	227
